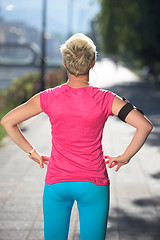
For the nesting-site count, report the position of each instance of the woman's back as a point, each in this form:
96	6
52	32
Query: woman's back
77	117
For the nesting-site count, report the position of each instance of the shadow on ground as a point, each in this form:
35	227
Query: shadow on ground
145	96
136	226
156	175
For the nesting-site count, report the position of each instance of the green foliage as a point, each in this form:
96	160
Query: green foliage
3	111
24	88
131	28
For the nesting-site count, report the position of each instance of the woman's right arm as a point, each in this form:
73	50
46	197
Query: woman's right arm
19	114
143	127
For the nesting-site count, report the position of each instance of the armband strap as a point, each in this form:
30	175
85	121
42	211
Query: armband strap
126	109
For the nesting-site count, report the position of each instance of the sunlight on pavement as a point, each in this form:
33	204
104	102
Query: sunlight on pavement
105	73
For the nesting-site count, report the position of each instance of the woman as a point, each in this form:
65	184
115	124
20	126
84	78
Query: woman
77	168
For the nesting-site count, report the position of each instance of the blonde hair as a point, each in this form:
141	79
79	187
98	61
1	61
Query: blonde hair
79	54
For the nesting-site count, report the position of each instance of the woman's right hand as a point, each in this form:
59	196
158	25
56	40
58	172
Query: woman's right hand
39	158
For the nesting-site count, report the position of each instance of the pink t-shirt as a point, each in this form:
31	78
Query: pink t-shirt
77	117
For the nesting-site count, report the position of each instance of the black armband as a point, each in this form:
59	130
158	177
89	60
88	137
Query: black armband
126	109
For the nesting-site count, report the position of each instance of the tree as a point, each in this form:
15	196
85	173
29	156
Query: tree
132	28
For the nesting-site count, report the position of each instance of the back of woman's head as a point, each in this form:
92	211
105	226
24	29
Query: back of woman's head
79	54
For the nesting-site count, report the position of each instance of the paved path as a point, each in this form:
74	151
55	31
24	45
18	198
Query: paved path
135	189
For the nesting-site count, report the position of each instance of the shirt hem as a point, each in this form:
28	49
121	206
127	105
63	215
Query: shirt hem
97	181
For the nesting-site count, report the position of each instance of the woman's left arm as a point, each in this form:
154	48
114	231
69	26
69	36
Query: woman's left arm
19	114
143	127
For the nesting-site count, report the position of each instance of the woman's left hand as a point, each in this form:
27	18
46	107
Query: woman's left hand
113	161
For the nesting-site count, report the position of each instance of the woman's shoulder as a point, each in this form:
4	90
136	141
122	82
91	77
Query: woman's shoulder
55	90
100	91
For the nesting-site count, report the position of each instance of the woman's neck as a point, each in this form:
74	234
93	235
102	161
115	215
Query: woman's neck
79	81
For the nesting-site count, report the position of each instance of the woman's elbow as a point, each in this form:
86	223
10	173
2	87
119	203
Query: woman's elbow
4	121
145	126
150	127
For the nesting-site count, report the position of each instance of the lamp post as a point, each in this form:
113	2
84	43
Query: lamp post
70	18
43	45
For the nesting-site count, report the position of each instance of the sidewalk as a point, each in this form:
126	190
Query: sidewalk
135	189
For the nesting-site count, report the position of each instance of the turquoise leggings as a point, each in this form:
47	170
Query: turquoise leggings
93	205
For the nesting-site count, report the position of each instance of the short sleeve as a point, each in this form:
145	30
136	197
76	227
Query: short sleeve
104	99
45	100
108	101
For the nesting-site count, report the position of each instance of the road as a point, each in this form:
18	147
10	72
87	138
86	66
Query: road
135	189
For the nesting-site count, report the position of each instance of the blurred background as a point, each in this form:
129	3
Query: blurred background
31	30
125	32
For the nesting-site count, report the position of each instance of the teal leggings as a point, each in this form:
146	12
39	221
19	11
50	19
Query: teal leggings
93	205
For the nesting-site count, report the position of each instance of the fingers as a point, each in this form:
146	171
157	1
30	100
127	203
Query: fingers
41	163
45	162
111	162
117	168
40	159
45	159
107	161
111	165
118	161
114	161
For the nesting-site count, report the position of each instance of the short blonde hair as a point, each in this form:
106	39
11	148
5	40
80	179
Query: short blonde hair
79	54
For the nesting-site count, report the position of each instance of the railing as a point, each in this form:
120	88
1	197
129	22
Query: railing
23	55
